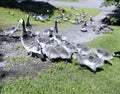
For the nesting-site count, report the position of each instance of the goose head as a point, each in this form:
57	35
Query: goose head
49	32
21	21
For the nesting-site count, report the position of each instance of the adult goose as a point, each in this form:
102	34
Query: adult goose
58	19
28	42
42	17
91	61
83	29
52	31
75	21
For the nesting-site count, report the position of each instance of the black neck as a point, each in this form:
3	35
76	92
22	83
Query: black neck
28	21
118	52
56	28
23	26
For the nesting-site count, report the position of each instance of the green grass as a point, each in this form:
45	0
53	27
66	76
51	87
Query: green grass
108	41
11	16
64	78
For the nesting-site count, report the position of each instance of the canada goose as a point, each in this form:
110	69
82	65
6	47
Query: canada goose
91	19
84	14
83	29
28	21
91	61
92	22
97	29
52	31
41	17
106	28
29	42
58	19
103	54
75	21
78	14
66	18
34	16
84	23
10	30
74	8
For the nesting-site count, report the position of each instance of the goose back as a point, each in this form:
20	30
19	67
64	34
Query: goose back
91	61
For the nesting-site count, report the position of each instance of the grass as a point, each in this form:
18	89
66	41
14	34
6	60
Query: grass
65	78
9	17
108	41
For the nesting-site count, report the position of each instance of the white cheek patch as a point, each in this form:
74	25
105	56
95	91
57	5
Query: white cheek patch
21	21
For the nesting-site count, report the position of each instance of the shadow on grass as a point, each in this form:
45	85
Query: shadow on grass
29	6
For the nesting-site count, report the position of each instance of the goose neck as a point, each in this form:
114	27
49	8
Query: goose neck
56	29
24	28
27	20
